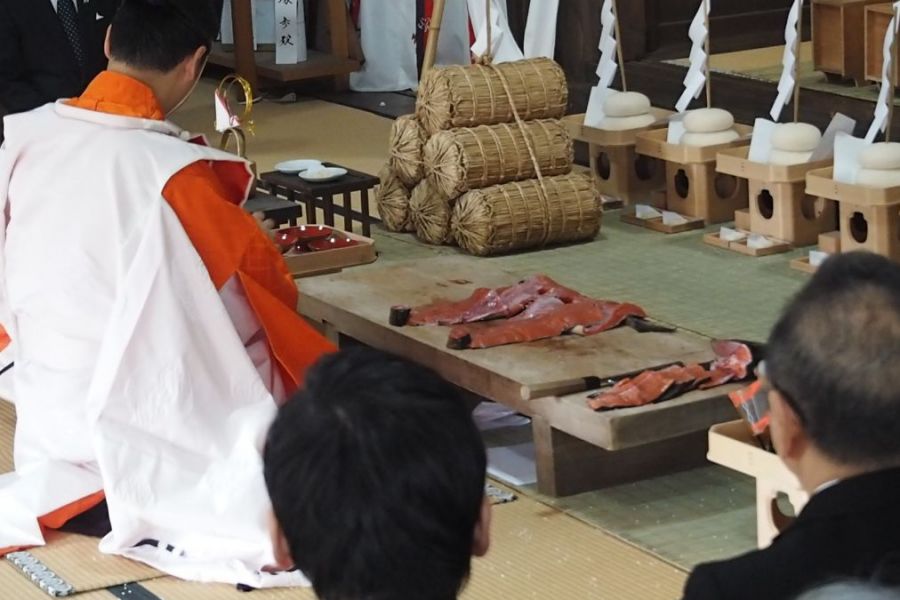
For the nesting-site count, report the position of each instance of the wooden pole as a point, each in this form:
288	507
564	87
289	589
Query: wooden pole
798	46
244	58
708	55
620	54
434	32
892	78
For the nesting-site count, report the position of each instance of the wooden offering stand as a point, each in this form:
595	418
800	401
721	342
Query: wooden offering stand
620	174
869	217
779	208
693	188
829	243
732	445
838	35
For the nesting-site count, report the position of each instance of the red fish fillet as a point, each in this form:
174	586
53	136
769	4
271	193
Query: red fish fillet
546	317
486	304
732	360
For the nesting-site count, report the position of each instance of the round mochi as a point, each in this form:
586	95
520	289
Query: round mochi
884	156
879	178
625	123
709	139
708	120
626	104
787	157
796	137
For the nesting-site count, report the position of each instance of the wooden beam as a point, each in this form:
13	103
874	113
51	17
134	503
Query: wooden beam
340	47
242	22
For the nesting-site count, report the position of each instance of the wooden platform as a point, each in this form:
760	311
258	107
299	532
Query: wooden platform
741	246
356	304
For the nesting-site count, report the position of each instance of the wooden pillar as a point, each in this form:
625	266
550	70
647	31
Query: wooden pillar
242	22
337	24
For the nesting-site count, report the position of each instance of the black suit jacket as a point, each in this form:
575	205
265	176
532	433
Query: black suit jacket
849	530
37	64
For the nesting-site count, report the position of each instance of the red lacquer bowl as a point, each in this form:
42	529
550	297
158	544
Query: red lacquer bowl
333	242
292	237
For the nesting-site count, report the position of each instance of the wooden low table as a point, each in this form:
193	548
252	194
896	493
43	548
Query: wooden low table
283	212
323	196
573	455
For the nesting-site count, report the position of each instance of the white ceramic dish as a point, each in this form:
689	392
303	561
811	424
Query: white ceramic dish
292	167
323	175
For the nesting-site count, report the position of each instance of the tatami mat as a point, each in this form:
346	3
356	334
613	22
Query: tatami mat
764	64
538	552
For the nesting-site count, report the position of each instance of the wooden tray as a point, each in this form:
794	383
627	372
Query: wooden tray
331	261
653	143
733	161
741	247
657	224
821	183
600	137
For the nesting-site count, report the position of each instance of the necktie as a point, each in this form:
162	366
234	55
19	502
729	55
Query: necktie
69	19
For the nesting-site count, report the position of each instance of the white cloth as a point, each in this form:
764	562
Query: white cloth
387	35
131	372
540	31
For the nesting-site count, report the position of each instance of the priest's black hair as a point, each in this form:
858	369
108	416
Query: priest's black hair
376	473
835	357
159	34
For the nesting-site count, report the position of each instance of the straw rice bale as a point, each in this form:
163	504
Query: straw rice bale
513	216
429	212
470	95
407	140
392	198
459	160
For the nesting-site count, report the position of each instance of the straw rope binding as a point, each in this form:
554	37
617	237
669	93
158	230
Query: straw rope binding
466	96
430	212
462	159
407	140
508	217
392	198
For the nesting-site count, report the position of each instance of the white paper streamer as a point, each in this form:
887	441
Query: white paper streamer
290	32
606	69
885	97
790	59
540	31
504	45
696	75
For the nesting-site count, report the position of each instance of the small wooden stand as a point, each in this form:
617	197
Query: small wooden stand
779	206
656	224
693	188
878	18
741	246
869	217
838	35
732	445
618	171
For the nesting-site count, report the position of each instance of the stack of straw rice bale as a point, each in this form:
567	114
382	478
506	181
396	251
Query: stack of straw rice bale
465	169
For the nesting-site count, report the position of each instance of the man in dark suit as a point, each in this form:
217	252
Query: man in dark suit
50	49
833	368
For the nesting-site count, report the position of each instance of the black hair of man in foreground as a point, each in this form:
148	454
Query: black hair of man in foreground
833	364
376	473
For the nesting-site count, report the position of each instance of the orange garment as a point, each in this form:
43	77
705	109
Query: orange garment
206	197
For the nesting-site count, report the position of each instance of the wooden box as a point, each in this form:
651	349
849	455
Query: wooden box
732	445
878	18
618	171
332	261
779	205
869	217
693	188
838	35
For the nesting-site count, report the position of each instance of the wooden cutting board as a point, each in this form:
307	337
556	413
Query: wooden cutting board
357	304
